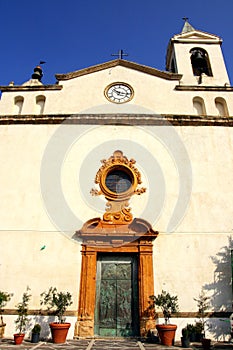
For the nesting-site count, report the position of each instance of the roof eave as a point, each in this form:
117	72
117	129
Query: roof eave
11	88
206	37
196	40
119	62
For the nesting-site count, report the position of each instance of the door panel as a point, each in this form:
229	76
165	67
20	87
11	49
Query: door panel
116	312
124	314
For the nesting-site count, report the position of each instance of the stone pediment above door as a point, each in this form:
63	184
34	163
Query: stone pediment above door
97	232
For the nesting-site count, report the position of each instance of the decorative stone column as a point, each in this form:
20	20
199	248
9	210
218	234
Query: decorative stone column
146	286
85	325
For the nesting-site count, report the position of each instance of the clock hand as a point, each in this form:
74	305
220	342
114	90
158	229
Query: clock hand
119	92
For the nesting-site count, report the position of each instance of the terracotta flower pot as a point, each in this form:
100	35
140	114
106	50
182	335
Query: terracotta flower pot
59	331
18	338
166	333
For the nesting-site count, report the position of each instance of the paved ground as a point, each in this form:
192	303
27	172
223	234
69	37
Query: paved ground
102	344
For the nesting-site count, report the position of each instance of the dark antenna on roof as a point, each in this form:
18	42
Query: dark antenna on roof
120	54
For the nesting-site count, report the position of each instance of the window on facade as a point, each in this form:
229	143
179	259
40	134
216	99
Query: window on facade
221	107
199	106
118	181
18	104
40	104
200	62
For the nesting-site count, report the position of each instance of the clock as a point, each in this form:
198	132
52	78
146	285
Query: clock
119	92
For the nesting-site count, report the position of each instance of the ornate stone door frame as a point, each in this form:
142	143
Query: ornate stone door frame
105	242
118	180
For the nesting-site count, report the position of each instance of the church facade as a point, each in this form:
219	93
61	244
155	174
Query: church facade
117	184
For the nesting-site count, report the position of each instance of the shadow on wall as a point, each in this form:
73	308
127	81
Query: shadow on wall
221	291
44	321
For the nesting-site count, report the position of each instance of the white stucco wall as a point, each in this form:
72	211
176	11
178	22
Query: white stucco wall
195	254
210	157
182	54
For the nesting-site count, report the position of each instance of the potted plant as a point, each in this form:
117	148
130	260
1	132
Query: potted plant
169	305
191	331
4	298
22	319
203	305
198	332
58	302
36	333
185	339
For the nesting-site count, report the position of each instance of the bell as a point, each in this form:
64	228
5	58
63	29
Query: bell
198	59
38	74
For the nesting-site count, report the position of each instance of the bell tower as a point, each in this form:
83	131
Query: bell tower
197	55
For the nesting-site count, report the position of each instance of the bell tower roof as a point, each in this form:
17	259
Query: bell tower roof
187	26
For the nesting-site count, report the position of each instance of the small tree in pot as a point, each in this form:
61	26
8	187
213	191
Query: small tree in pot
4	298
22	319
185	339
36	333
168	305
58	302
198	331
203	305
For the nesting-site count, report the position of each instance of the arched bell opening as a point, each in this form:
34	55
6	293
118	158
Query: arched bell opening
200	62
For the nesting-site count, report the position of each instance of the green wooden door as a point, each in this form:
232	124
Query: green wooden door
116	311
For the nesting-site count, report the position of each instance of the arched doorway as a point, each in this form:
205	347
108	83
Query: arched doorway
116	300
110	264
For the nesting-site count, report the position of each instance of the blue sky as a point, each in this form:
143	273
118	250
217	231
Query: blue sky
74	34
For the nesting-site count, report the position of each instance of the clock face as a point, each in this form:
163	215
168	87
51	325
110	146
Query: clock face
119	92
